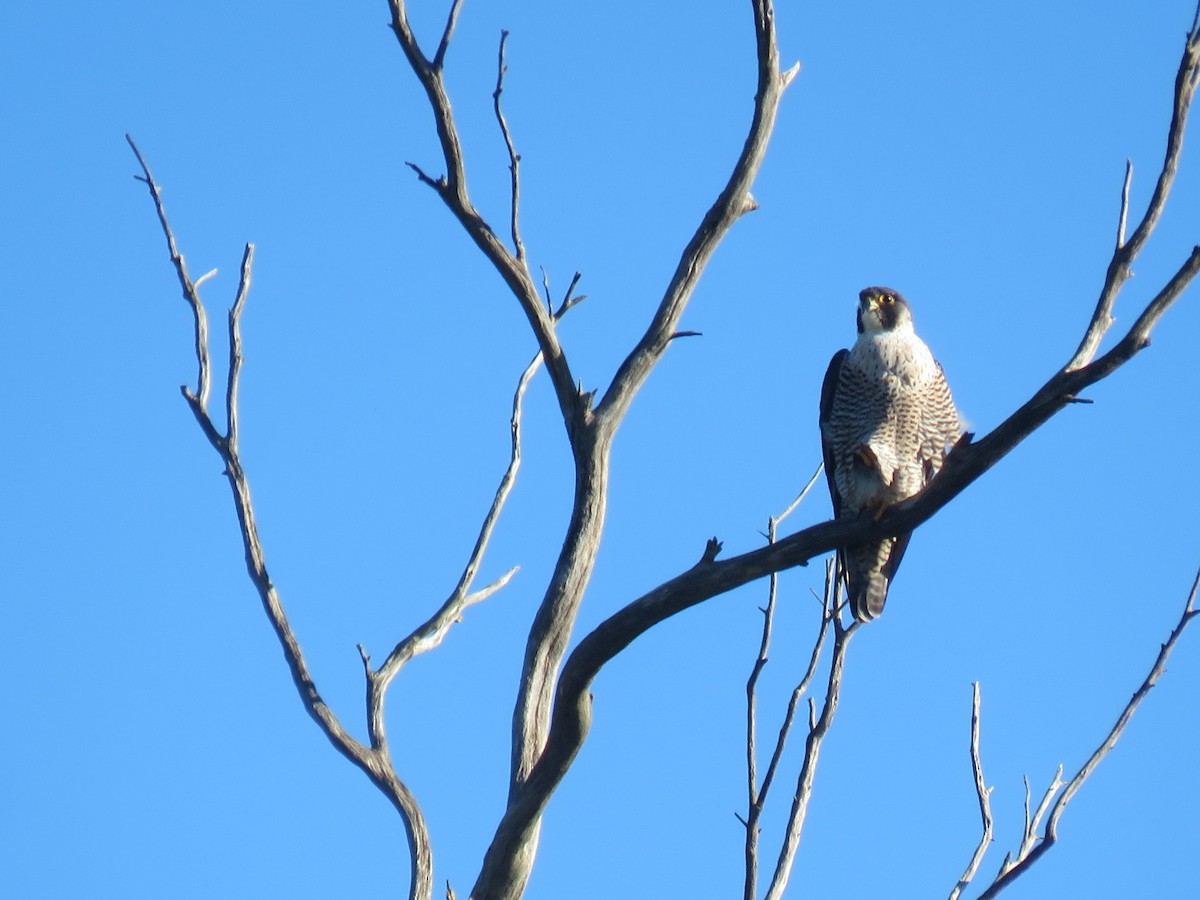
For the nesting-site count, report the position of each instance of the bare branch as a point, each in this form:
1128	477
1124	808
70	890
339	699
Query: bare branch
730	205
431	633
514	160
190	288
546	287
756	799
1123	219
791	507
1028	853
1126	251
452	188
827	614
235	347
816	736
374	761
439	58
569	299
983	792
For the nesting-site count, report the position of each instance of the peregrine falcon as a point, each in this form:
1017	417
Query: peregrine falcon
887	418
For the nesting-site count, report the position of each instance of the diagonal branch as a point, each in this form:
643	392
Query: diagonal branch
733	201
1119	269
431	633
1028	854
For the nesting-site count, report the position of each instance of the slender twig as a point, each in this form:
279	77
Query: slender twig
570	299
431	633
818	729
190	288
546	287
759	804
1032	847
983	792
514	159
439	58
756	798
1123	218
235	346
827	614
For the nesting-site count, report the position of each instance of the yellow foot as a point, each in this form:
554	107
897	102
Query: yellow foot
877	508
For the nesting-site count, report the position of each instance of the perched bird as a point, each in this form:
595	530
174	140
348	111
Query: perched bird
887	418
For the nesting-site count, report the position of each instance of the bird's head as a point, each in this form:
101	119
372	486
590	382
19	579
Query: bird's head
882	309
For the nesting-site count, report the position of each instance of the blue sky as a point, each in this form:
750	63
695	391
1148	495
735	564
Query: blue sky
969	155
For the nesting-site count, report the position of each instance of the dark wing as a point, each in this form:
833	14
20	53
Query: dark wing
828	389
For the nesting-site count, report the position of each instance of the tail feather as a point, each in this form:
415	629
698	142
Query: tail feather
868	593
870	569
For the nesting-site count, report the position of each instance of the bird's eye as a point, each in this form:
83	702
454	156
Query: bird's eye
888	298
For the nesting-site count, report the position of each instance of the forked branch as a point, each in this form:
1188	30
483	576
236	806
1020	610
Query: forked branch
452	188
1034	847
374	760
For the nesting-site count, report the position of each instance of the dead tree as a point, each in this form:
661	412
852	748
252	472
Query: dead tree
552	713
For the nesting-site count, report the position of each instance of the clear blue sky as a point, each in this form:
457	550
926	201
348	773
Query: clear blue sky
971	155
